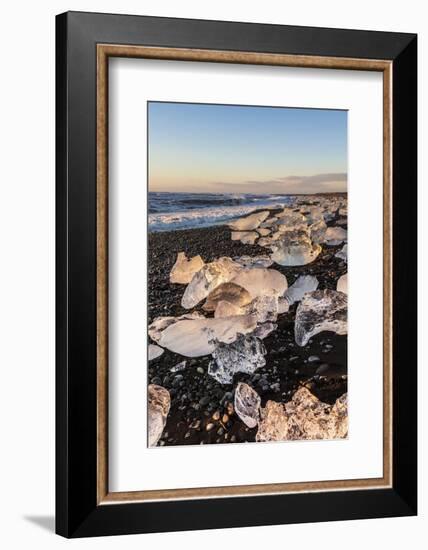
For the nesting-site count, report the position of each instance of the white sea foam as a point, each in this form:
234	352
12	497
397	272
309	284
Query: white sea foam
210	215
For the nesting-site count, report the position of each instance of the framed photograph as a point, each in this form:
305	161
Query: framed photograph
236	274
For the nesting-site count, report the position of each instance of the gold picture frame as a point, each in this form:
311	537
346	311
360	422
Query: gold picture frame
106	51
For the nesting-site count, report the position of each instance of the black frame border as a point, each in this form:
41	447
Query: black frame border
77	512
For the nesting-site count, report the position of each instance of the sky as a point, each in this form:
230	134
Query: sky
239	149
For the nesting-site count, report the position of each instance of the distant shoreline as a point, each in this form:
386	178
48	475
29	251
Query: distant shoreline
181	211
323	193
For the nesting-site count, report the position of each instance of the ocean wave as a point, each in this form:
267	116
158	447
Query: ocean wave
204	217
175	202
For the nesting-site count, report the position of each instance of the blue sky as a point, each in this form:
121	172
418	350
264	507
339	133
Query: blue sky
226	148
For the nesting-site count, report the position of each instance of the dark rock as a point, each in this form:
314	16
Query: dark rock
204	400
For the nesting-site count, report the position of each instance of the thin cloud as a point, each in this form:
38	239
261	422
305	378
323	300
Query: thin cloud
318	183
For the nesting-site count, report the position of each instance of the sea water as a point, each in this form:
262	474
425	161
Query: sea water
171	211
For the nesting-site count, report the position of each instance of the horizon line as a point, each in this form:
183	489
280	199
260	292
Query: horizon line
246	193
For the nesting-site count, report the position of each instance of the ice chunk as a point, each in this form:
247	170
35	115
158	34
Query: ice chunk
313	214
159	403
291	235
154	352
246	354
262	331
254	261
261	281
343	254
294	247
264	308
290	218
303	284
342	284
266	242
178	367
246	237
295	254
276	235
161	323
269	222
335	236
198	337
319	311
317	231
248	223
247	404
283	305
207	279
228	292
329	216
184	269
304	417
226	309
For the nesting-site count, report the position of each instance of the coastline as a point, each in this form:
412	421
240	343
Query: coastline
182	211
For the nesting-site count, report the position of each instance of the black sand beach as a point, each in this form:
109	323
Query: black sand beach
201	408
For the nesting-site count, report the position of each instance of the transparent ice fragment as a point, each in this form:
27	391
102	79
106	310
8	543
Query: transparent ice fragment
304	417
178	367
246	237
161	323
261	281
254	261
342	284
154	351
317	231
207	279
266	242
319	311
303	284
335	236
295	254
264	308
262	331
269	222
159	403
313	214
343	253
195	338
246	355
226	309
291	218
248	223
283	305
247	404
294	247
228	292
183	270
